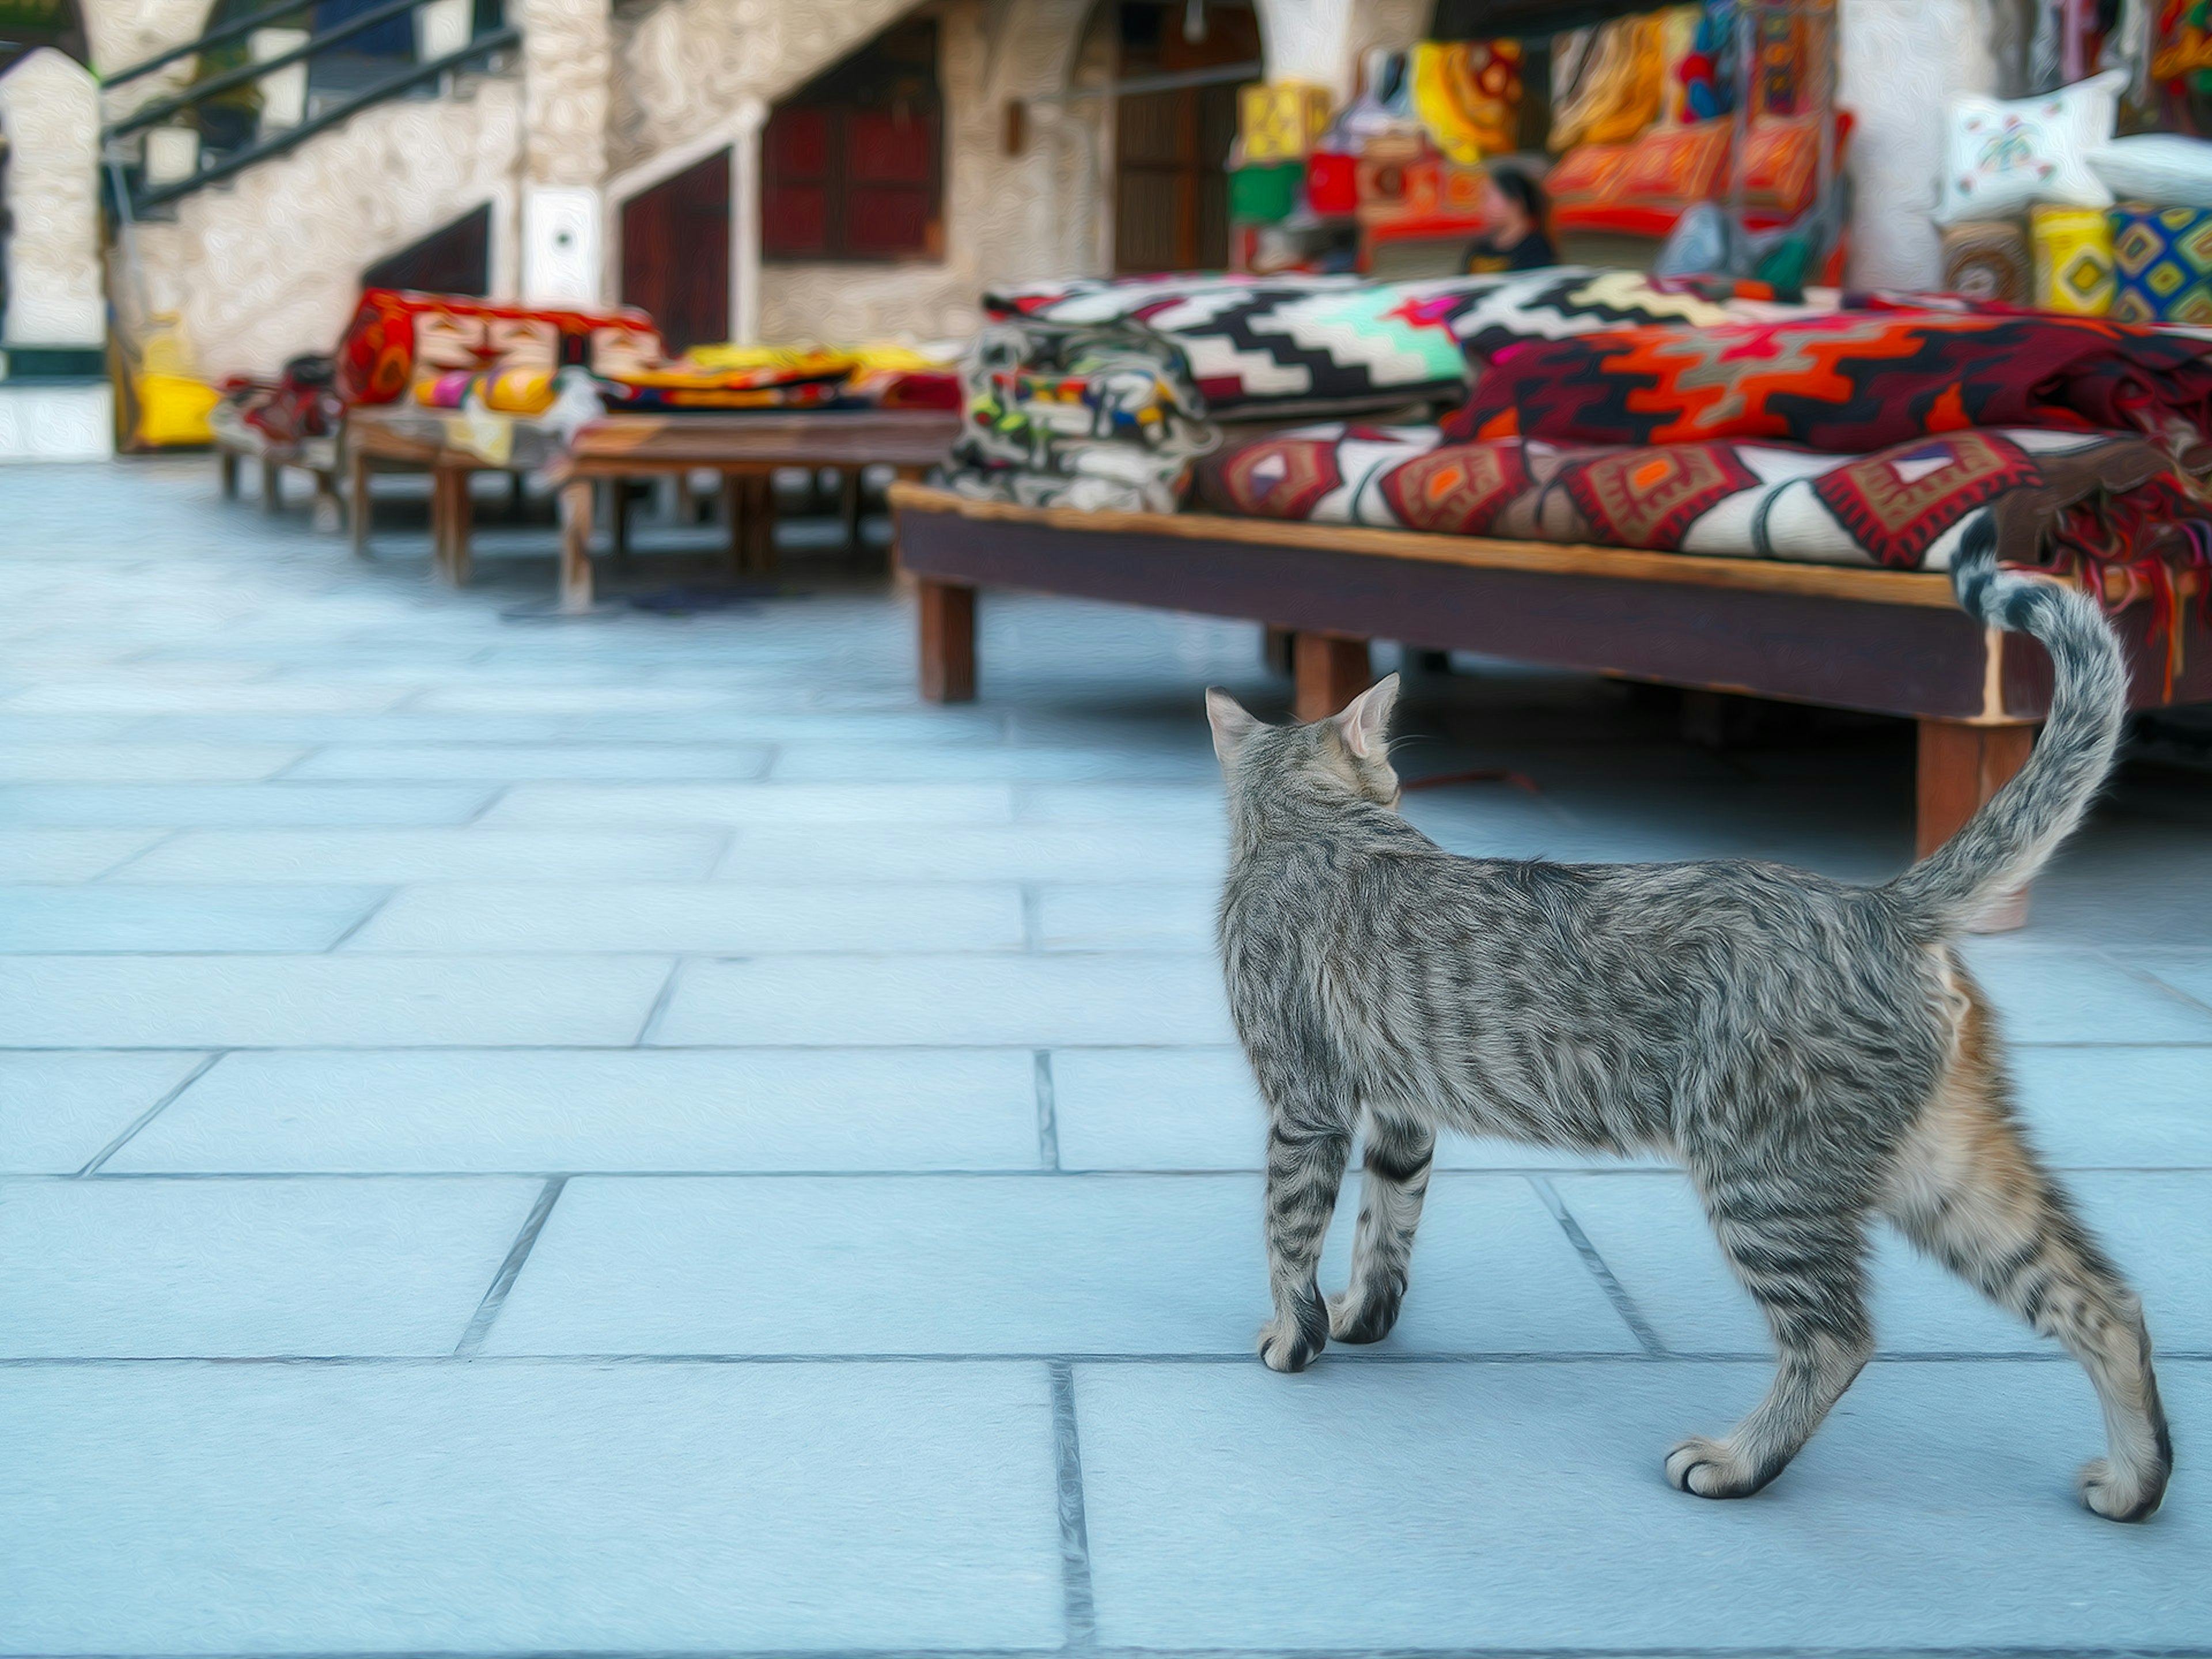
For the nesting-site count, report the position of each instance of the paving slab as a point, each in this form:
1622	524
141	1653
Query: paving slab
1033	1002
117	918
188	806
527	1509
2049	994
1127	917
1514	1508
903	803
1013	1264
68	854
928	852
722	918
152	1269
422	855
59	1110
325	1002
2124	1107
142	762
512	761
509	1110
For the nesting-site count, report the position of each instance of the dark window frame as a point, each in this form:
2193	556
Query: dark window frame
829	208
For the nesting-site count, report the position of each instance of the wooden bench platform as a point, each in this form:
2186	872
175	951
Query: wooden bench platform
1892	642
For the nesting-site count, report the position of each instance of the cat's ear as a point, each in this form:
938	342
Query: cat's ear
1366	722
1231	724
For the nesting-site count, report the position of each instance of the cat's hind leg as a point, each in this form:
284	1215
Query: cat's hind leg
1398	1155
1802	1258
1968	1190
1305	1168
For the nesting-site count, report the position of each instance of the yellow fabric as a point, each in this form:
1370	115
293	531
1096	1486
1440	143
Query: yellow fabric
519	391
733	359
1619	94
172	410
2073	260
1467	94
1279	120
1678	34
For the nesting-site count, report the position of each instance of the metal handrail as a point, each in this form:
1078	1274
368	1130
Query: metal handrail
214	37
161	109
238	160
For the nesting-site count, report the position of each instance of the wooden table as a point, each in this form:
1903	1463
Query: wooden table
403	437
1885	642
746	450
236	442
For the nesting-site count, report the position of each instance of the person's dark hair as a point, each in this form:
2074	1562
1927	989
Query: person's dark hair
1525	193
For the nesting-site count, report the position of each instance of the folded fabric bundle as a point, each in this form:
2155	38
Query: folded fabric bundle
509	391
1077	417
2075	499
1851	383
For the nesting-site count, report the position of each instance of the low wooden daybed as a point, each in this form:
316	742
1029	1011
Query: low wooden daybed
1883	641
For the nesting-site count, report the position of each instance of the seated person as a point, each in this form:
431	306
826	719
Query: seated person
1514	214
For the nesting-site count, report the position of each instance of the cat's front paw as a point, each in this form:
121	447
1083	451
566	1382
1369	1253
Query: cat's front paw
1713	1469
1284	1346
2118	1497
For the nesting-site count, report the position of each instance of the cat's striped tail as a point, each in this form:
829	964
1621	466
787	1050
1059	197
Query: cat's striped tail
2003	845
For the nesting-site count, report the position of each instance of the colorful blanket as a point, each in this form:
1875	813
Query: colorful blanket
2098	499
1851	383
1290	347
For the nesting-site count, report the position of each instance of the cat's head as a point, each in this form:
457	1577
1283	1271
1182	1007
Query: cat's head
1346	754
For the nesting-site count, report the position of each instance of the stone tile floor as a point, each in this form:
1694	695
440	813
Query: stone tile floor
634	1135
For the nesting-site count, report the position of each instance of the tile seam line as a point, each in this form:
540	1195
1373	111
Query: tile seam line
1215	1358
207	1063
1677	1652
658	1007
1615	1292
1079	1599
495	1297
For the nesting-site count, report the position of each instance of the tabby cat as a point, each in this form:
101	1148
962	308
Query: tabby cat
1815	1055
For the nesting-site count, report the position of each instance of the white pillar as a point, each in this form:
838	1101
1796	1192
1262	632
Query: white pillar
1310	40
746	221
1899	64
50	110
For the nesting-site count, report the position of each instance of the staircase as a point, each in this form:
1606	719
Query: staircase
248	198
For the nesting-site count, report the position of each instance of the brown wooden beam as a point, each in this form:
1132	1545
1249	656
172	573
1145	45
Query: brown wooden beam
1331	672
1962	767
947	614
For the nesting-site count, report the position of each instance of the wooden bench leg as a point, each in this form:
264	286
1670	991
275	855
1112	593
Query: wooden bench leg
576	544
760	524
1331	672
619	521
948	641
1961	766
357	502
272	486
329	515
449	523
228	462
733	520
1276	651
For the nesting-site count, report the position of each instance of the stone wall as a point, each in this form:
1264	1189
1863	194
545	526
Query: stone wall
50	112
269	265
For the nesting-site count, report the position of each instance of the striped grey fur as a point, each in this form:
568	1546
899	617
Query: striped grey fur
1815	1055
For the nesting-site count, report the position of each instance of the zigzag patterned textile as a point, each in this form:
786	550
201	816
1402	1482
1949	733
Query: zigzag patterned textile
1851	383
1268	348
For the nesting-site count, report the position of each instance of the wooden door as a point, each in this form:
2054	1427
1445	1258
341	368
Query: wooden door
1171	148
676	254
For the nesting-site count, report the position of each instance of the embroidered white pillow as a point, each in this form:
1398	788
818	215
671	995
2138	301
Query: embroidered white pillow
2004	157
